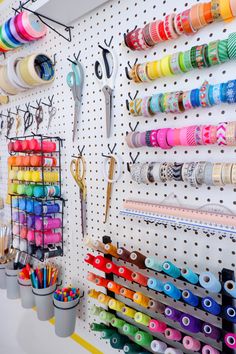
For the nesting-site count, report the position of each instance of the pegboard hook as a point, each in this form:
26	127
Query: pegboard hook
50	99
81	150
133	129
105	41
110	150
38	104
132	159
131	67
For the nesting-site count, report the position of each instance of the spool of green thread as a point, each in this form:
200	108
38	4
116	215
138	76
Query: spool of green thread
142	318
21	189
107	333
29	190
117	341
117	322
95	310
97	327
13	188
132	348
143	338
106	316
130	330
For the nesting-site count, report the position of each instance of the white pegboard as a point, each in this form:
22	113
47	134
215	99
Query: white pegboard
185	248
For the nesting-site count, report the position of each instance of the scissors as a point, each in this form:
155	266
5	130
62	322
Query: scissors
38	117
28	120
75	80
106	72
10	122
52	112
79	177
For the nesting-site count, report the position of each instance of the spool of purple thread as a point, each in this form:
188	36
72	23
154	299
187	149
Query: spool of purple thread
22	218
190	323
211	331
173	314
31	221
15	216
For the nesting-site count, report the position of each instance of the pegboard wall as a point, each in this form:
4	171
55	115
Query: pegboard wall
183	247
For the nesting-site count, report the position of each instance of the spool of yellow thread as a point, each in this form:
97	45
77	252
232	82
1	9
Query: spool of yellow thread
141	299
20	175
36	176
93	293
104	299
115	305
51	176
28	176
127	311
111	249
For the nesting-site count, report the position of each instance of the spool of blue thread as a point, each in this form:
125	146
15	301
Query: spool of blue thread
15	202
208	281
170	269
230	314
230	288
39	192
190	298
29	206
172	291
153	263
155	284
189	275
22	203
211	306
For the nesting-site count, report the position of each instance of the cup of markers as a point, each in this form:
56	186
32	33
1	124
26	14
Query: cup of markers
44	283
26	295
65	303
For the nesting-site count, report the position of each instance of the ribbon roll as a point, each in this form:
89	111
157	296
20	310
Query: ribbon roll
208	281
191	344
230	340
190	323
230	288
158	346
211	306
230	314
170	269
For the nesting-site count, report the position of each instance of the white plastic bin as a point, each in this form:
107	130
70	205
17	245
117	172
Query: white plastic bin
65	317
44	302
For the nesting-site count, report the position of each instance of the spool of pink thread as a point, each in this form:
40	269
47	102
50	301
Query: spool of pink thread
47	237
173	334
207	349
47	223
157	326
23	232
191	344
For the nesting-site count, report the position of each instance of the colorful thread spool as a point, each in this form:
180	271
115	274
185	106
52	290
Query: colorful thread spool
143	338
97	327
99	246
112	268
173	314
141	299
107	333
31	221
211	331
140	278
173	334
114	287
230	340
47	223
173	351
172	291
230	288
130	330
141	318
191	344
117	341
123	254
138	259
157	326
190	298
190	323
89	258
189	275
155	284
127	293
211	306
93	293
230	314
156	306
126	273
208	281
128	311
117	322
100	281
131	348
106	316
115	305
154	264
111	249
100	263
95	310
207	349
158	347
170	269
91	277
104	299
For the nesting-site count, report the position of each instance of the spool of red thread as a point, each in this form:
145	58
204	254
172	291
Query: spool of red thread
10	146
112	268
100	263
100	281
139	278
17	146
33	145
25	145
126	273
89	259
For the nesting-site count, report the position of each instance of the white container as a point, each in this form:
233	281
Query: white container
44	302
3	282
65	317
13	289
26	294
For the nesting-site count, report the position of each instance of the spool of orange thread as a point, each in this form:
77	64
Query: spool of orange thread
114	287
127	293
140	278
112	250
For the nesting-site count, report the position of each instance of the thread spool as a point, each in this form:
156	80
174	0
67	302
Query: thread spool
208	281
47	223
230	340
117	341
115	305
211	306
100	263
95	310
104	299
130	330
190	298
89	258
106	316
189	275
131	348
127	293
128	311
190	323
100	281
90	243
111	249
23	232
114	287
112	268
93	293
141	299
99	246
125	273
158	347
97	327
140	278
123	254
207	349
191	344
91	277
141	318
230	314
157	326
173	314
156	306
230	288
155	284
211	331
138	259
143	338
107	333
173	334
170	269
117	322
173	351
154	264
172	291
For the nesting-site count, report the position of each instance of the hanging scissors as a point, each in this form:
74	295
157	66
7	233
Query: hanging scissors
52	112
38	117
106	72
79	177
28	120
10	122
75	80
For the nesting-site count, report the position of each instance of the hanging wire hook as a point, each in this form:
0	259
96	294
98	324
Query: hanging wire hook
50	99
110	150
132	159
105	41
133	129
81	150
